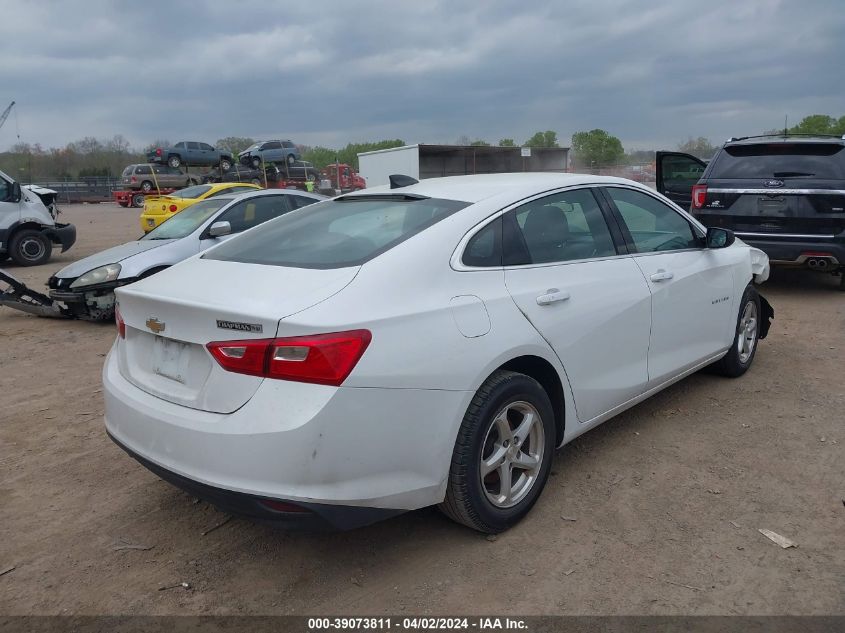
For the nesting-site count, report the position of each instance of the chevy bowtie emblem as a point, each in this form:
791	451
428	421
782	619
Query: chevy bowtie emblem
155	325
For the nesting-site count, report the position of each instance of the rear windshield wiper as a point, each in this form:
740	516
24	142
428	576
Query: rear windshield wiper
788	174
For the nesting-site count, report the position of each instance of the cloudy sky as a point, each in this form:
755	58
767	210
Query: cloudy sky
333	72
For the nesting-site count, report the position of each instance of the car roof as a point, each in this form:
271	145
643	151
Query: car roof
789	138
272	192
480	187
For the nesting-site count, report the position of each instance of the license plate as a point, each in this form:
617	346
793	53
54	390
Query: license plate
170	359
771	205
151	222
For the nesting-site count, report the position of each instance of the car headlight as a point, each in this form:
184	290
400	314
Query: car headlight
100	275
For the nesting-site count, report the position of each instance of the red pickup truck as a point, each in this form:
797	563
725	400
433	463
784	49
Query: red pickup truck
349	180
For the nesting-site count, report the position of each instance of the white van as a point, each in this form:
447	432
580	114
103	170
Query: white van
28	227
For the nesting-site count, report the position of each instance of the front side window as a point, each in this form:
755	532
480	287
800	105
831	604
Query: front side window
180	145
653	225
301	201
186	222
272	145
254	211
337	233
206	147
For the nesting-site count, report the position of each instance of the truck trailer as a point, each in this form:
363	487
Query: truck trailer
433	161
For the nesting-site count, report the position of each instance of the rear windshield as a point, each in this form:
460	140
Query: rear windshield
191	192
824	161
128	170
336	233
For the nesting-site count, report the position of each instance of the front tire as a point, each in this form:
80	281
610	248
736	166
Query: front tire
30	248
741	354
256	162
175	162
225	165
502	455
291	160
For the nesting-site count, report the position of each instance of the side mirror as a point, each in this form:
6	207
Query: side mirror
16	192
219	229
719	238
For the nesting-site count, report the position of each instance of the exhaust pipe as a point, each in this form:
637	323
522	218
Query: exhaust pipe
821	263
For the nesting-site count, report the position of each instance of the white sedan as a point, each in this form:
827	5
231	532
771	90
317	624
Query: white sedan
87	286
429	343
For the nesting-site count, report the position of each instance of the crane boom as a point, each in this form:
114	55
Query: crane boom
5	114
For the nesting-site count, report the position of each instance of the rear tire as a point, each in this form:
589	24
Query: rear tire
496	476
744	346
175	162
256	162
146	186
30	248
138	200
225	165
291	159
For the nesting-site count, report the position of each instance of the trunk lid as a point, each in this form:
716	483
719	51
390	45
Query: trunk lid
797	206
172	316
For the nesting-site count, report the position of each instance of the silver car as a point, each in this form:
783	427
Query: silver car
87	286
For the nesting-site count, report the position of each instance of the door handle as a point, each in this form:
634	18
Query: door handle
553	295
662	275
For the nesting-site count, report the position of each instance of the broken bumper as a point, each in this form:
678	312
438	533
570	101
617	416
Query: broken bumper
64	234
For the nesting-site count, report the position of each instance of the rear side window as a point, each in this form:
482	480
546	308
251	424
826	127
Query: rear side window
337	233
143	170
781	160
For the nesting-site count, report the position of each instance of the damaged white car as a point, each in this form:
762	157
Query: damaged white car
86	287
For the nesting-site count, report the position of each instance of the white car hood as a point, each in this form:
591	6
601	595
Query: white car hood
41	191
112	255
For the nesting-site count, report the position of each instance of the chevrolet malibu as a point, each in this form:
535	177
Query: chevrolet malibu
427	343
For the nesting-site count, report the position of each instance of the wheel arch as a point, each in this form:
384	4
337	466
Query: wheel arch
545	373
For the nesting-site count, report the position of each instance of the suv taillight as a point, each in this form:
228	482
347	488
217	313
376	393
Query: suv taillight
699	195
325	359
158	151
133	179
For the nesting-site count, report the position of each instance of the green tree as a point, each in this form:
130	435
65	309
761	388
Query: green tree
543	139
597	148
816	124
507	142
234	144
480	143
700	147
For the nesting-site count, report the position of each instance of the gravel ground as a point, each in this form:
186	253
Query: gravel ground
655	512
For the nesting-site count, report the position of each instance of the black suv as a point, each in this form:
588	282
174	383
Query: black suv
782	194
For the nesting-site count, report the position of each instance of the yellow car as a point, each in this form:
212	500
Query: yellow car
157	209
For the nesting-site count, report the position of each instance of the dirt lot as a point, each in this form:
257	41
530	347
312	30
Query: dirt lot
662	505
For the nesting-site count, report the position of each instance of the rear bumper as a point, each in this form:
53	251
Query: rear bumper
314	516
796	252
386	450
64	234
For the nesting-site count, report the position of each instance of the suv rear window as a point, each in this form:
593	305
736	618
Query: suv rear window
336	233
781	160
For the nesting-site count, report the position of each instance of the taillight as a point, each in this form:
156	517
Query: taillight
133	179
325	359
121	326
173	208
699	195
158	151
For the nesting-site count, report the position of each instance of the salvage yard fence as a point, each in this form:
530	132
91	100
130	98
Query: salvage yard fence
93	189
